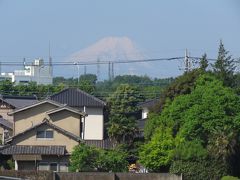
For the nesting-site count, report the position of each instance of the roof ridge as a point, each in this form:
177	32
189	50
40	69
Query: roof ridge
89	95
35	104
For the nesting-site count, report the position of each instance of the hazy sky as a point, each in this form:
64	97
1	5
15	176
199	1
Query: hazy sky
159	28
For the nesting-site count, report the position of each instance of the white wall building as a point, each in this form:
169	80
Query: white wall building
37	71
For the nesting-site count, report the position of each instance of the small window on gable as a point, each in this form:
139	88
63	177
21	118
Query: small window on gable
48	134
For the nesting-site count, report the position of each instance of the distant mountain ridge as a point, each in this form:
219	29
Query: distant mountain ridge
110	49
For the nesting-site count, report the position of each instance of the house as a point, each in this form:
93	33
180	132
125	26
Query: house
145	108
44	136
45	133
89	104
7	104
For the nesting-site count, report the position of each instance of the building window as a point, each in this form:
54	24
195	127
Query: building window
53	167
43	166
63	167
48	134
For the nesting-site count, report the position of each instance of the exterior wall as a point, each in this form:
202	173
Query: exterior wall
27	118
145	112
59	139
67	120
4	111
94	124
32	165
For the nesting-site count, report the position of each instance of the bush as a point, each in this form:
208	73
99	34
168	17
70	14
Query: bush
111	160
199	170
83	158
86	158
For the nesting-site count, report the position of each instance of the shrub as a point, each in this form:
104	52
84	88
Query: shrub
199	170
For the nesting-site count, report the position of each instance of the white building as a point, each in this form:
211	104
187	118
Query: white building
37	71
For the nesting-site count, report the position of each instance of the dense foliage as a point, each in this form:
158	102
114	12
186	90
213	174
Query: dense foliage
123	113
86	158
209	115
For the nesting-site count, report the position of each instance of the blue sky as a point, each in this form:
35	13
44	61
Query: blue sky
159	28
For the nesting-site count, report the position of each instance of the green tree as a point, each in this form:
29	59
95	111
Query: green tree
6	87
210	114
181	85
86	158
87	83
123	113
112	160
224	66
203	63
157	154
83	158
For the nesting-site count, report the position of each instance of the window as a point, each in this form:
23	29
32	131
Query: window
53	166
63	167
43	166
45	134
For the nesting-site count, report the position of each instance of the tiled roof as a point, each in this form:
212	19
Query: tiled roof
148	103
18	101
104	144
43	150
74	97
36	104
6	123
46	122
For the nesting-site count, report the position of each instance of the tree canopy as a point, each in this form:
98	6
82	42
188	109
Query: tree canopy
209	114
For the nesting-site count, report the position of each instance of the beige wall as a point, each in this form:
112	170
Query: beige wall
58	139
94	124
30	117
67	120
3	113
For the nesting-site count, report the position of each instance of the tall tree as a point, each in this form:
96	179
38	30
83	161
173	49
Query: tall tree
123	113
224	66
203	63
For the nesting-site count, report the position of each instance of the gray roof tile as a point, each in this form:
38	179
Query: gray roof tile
74	97
18	101
43	150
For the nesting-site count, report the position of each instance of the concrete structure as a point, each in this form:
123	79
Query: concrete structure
37	72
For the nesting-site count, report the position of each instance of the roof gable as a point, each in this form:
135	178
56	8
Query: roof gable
46	122
75	97
67	108
34	105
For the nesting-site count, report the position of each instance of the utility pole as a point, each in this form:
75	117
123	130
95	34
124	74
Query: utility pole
85	69
98	68
109	71
112	75
50	60
187	62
